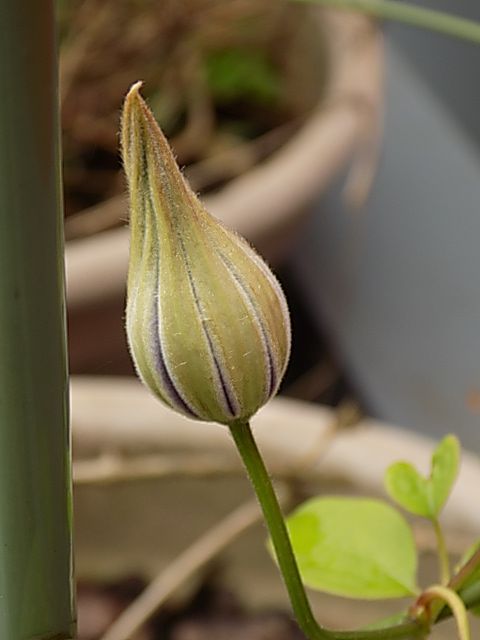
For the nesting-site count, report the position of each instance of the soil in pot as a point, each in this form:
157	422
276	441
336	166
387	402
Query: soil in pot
211	613
229	83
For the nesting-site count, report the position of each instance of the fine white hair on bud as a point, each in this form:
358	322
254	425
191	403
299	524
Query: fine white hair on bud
207	322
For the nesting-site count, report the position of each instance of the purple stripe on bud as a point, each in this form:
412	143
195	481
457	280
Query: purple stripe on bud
272	374
231	403
161	370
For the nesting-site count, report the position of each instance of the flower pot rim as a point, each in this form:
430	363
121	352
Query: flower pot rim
116	413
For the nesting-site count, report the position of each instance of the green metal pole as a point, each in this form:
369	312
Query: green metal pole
36	599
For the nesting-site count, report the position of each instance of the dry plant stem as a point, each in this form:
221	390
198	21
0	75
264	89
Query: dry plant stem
201	175
430	19
183	567
259	202
71	61
232	162
262	485
312	384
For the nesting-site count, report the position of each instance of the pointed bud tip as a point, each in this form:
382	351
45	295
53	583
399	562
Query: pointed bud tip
135	89
133	99
136	109
135	112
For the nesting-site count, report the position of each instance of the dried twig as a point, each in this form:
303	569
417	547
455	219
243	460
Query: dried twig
73	57
314	383
234	161
265	200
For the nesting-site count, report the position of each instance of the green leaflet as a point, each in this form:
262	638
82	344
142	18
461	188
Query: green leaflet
394	619
425	496
239	74
352	547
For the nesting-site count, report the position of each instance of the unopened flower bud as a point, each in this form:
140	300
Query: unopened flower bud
207	322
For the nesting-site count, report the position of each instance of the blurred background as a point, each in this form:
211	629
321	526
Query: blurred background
346	151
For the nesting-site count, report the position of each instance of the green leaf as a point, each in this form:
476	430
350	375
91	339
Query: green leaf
236	74
445	463
407	487
468	554
425	496
391	621
351	547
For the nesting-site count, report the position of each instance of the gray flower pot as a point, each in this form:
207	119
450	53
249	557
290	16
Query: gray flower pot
397	284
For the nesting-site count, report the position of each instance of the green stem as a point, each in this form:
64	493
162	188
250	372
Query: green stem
455	603
443	560
464	576
276	525
462	584
430	19
35	494
262	485
471	595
